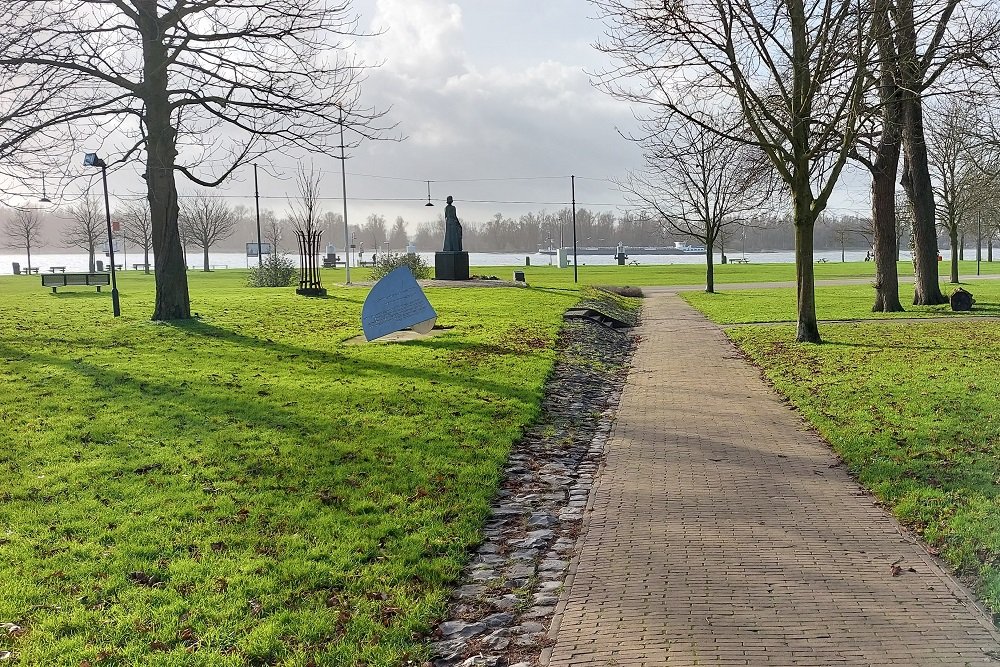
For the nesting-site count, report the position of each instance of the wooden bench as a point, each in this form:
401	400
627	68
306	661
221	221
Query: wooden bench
53	269
29	269
140	265
739	260
55	280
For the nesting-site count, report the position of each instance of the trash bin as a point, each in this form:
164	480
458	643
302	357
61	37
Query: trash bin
100	265
518	276
527	261
17	268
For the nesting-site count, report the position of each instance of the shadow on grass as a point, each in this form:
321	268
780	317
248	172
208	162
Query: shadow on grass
82	295
372	366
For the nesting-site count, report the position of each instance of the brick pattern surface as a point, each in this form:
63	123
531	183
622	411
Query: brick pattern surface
722	532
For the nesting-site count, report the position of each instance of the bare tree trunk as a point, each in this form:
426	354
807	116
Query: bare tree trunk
204	258
709	269
28	244
961	247
989	250
145	252
808	328
885	233
172	302
916	173
955	251
843	252
91	256
884	240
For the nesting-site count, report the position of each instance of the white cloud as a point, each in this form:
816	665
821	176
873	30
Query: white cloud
422	39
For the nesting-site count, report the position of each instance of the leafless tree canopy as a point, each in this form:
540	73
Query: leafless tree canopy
86	226
699	182
305	212
137	227
23	230
206	220
198	87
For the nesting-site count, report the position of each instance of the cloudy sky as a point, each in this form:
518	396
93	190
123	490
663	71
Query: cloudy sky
496	106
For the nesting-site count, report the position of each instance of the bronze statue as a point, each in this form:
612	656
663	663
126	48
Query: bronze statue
452	228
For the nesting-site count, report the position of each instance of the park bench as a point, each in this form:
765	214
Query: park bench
56	280
739	260
29	269
140	265
53	269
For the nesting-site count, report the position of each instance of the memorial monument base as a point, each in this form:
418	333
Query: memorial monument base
450	265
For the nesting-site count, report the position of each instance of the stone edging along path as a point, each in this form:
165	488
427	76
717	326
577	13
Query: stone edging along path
499	614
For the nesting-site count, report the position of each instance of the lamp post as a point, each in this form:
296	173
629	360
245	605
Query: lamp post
91	160
343	182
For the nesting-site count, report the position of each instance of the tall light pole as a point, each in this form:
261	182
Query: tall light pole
91	160
572	182
343	182
256	197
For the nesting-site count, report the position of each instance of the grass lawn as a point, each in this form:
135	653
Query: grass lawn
694	274
845	302
244	488
912	408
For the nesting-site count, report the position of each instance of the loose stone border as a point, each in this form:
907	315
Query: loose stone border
499	614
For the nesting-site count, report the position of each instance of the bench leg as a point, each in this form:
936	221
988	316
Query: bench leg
98	288
53	290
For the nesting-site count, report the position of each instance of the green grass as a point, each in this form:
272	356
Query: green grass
246	489
913	410
694	274
845	302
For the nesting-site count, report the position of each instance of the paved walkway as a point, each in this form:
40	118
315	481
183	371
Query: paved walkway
722	532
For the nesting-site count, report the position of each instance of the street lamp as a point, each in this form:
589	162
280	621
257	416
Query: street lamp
91	160
45	198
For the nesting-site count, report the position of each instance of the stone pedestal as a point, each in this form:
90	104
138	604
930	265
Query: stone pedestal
451	265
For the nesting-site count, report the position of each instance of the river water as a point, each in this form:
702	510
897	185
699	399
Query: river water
237	260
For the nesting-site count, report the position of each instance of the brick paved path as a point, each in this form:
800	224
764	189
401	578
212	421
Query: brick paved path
724	533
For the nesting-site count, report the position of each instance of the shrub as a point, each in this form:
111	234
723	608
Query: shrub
385	264
275	271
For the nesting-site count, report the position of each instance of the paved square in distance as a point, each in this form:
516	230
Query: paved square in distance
723	532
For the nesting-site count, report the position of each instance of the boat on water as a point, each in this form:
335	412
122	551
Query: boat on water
678	248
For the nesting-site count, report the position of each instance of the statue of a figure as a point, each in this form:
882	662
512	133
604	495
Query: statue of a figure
452	228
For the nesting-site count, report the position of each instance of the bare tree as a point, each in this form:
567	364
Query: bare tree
23	230
196	87
271	230
206	220
699	183
375	229
87	227
792	71
879	149
955	175
137	227
847	227
398	238
305	213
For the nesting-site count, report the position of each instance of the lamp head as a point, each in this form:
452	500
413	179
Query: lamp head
91	160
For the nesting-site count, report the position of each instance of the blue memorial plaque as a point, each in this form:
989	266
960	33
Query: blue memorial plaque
396	303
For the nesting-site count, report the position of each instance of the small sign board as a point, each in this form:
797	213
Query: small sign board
118	247
252	249
395	303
